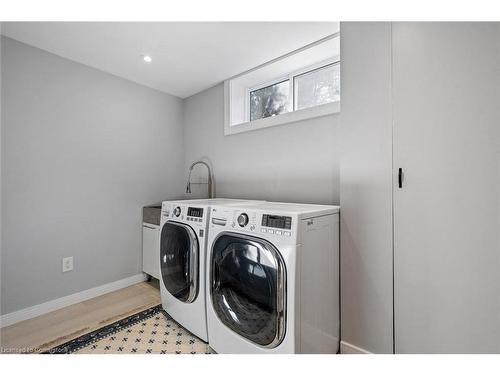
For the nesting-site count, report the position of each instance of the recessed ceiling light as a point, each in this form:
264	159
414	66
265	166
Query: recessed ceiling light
147	59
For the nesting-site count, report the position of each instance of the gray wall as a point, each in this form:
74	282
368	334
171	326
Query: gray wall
0	174
366	187
296	162
82	151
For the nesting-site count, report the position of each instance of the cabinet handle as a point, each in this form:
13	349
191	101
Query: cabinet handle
400	178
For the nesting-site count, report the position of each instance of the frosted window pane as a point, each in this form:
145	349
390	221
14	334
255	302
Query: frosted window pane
318	87
270	101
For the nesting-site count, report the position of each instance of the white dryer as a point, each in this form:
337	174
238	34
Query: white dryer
183	240
273	279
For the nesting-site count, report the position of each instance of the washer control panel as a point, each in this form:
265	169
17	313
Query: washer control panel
194	214
180	212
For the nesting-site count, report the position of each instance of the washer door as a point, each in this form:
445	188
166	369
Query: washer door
179	260
248	284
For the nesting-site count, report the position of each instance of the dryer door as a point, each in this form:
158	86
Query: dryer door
248	287
179	260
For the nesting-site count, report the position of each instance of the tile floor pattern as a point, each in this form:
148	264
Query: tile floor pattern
157	334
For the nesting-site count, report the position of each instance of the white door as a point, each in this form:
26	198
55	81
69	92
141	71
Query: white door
446	86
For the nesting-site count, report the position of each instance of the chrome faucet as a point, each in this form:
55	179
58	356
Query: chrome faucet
188	186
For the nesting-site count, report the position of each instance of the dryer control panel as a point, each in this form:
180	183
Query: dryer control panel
276	224
253	221
276	221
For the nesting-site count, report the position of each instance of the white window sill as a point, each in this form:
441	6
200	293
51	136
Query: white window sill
286	118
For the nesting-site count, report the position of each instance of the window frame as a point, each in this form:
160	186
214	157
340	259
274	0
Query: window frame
290	77
284	118
236	90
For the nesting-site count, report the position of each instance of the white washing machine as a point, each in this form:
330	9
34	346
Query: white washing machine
273	279
183	240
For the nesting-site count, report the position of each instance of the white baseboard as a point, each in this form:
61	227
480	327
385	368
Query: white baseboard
59	303
346	348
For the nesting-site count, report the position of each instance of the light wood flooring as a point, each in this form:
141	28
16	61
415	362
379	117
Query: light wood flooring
62	325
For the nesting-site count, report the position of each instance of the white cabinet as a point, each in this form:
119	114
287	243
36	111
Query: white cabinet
424	97
446	86
151	250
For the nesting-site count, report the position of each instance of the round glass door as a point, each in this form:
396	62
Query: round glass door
248	284
179	264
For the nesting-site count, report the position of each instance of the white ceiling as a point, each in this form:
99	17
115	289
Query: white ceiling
188	57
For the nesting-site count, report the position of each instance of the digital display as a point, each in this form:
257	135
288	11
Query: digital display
274	221
195	212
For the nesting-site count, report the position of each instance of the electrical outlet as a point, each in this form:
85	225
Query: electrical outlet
67	264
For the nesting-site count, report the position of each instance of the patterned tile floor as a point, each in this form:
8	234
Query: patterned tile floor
156	333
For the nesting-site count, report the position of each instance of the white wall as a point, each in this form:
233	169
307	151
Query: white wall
440	287
82	152
296	162
366	187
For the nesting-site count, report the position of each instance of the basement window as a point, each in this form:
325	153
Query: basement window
302	85
271	100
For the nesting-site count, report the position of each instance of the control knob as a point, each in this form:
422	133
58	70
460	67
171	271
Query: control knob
242	220
177	211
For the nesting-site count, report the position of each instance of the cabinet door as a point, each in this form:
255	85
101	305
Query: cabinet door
446	215
151	250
